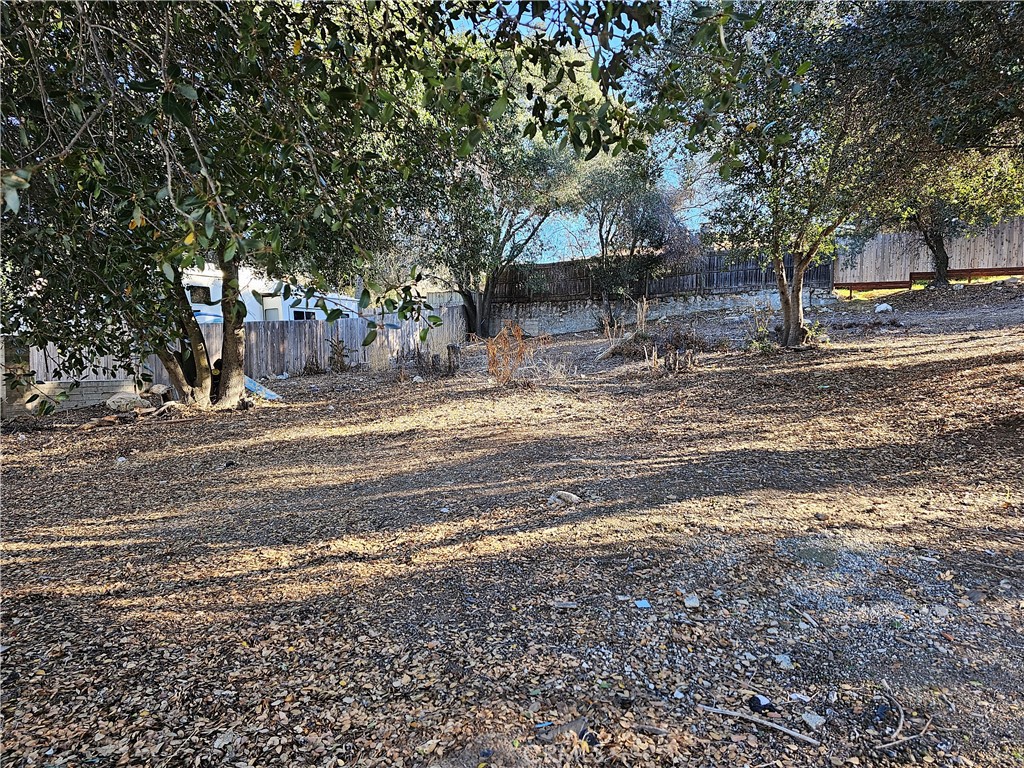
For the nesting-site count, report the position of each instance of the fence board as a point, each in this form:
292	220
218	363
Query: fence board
891	258
284	346
711	273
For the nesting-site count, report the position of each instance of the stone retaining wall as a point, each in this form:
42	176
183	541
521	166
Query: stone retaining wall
577	316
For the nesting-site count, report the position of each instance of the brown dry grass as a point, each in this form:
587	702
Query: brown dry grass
378	584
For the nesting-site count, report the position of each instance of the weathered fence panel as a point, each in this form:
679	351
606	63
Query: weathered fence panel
284	346
896	258
711	273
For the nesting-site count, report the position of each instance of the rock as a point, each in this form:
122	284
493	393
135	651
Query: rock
814	720
565	604
940	611
958	287
883	308
1011	281
561	498
691	601
158	389
820	516
784	661
282	376
124	401
417	379
121	459
976	596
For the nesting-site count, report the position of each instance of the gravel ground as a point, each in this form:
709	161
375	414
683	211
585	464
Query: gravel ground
372	572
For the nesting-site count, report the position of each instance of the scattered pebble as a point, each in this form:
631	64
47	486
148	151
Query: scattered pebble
784	661
814	720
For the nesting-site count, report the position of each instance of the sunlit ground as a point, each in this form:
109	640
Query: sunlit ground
386	583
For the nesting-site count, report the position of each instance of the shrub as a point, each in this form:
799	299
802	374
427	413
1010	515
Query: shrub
506	353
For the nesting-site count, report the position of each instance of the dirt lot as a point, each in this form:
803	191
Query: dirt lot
371	573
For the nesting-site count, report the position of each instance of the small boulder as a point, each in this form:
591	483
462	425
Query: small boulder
123	402
879	308
691	601
158	389
561	498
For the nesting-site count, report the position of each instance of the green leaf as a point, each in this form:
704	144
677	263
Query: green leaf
364	299
187	91
370	337
423	334
499	108
168	271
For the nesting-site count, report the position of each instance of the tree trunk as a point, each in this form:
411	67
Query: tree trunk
189	368
791	300
935	242
797	332
469	310
186	389
484	306
232	370
940	257
785	303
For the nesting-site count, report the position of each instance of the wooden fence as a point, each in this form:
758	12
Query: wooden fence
896	260
287	346
711	273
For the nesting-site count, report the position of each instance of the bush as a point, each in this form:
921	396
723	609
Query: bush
507	353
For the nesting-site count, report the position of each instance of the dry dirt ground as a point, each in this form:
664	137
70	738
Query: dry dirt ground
370	573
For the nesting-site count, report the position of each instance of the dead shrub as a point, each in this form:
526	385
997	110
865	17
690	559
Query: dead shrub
339	357
674	361
424	363
507	352
312	366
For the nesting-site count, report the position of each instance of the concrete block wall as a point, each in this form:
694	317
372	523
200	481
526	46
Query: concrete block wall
85	395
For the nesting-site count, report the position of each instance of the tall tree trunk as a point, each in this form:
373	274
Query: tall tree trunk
797	332
189	368
186	389
486	302
232	370
940	257
936	244
785	299
469	309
